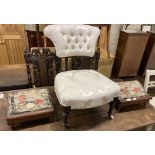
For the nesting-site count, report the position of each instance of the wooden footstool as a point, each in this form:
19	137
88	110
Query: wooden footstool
132	93
29	104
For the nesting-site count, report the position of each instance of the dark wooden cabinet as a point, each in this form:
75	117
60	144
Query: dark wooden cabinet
148	60
130	49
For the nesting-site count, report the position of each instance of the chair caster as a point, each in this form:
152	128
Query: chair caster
111	117
111	110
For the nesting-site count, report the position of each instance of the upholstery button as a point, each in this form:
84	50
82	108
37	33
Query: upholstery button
85	40
68	40
72	34
80	46
88	47
73	46
76	40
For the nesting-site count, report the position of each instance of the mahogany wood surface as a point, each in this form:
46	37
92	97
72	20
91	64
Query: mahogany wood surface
129	53
13	77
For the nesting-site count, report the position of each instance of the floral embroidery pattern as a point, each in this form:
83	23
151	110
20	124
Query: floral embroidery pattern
131	89
29	100
38	101
21	98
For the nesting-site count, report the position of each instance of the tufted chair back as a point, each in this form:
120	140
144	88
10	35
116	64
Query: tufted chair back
73	40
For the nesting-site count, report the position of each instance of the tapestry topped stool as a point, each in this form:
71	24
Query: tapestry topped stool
27	105
132	93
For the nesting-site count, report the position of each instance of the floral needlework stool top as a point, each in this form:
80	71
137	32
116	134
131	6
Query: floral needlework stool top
131	89
29	100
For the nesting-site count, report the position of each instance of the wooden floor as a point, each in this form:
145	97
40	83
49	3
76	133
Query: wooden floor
91	119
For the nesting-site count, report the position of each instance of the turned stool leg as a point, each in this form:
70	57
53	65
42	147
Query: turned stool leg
66	110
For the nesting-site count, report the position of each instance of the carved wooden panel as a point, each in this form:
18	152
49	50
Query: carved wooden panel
11	29
42	71
77	62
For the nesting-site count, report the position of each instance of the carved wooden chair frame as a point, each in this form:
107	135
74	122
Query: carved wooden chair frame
40	58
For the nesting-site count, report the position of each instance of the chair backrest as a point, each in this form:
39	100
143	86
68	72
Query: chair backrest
40	66
74	42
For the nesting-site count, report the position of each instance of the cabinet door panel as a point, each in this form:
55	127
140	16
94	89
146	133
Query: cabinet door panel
133	55
12	36
3	55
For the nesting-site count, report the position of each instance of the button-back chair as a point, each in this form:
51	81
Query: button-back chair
77	85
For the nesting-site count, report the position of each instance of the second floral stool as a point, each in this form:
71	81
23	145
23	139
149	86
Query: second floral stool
132	93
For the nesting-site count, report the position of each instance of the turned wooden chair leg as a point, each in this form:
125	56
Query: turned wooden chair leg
111	110
66	110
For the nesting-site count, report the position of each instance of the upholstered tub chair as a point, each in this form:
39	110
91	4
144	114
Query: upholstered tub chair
82	88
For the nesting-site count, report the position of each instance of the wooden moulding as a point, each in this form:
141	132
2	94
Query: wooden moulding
103	42
105	65
106	59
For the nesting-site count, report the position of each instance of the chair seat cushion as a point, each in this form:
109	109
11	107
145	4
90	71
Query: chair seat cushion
82	89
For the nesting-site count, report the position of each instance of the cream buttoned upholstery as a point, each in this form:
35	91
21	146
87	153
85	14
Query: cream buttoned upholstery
73	40
80	89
